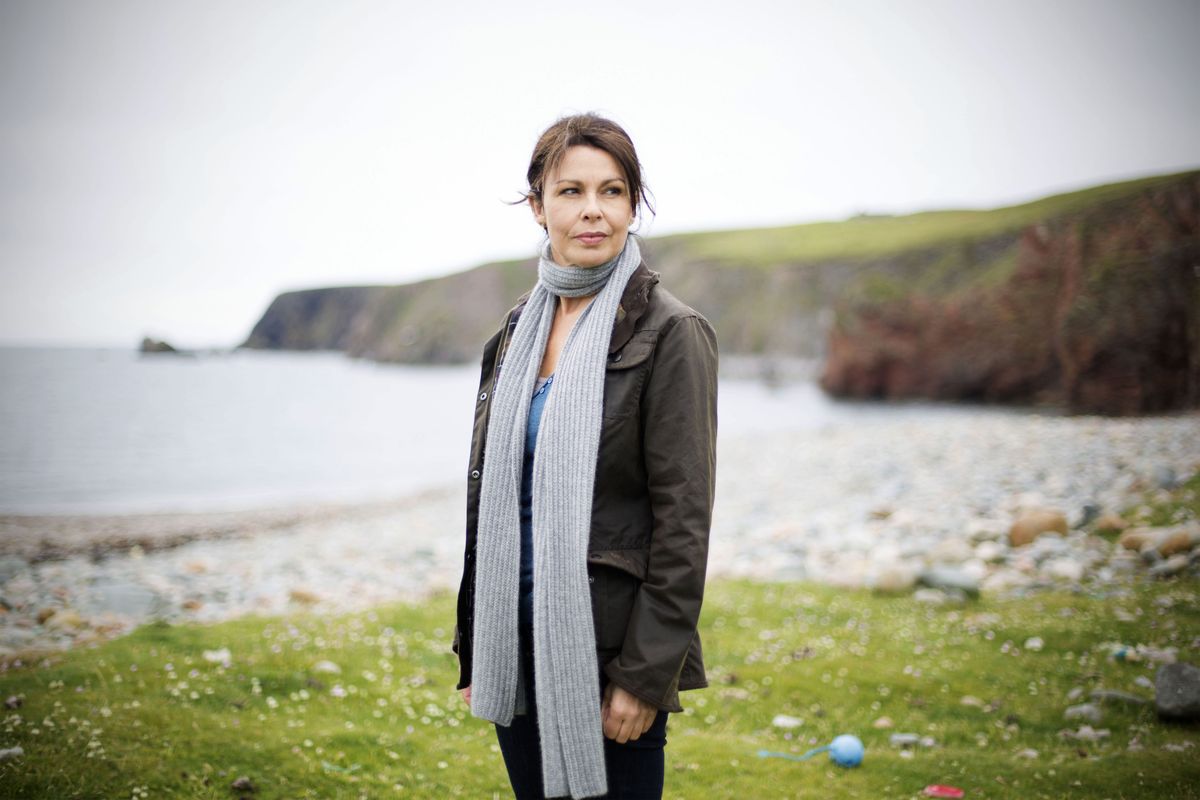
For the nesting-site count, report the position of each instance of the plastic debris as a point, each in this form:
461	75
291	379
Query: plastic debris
940	790
845	751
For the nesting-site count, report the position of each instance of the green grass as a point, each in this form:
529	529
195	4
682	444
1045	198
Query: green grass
878	236
148	711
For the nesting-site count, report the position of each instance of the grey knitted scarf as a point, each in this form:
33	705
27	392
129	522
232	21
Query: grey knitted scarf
564	471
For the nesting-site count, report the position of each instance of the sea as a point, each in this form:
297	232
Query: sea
111	430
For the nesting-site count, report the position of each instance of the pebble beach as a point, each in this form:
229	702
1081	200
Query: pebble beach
921	503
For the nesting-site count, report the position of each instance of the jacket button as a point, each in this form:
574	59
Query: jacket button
616	358
591	578
483	396
475	474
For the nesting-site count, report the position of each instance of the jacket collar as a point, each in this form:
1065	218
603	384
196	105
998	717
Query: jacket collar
630	309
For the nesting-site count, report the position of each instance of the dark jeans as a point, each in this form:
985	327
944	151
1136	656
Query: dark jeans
634	769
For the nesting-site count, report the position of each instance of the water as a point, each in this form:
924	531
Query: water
111	430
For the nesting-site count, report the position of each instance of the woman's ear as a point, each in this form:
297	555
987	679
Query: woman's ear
539	214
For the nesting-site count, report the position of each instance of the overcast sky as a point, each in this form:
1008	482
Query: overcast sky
167	168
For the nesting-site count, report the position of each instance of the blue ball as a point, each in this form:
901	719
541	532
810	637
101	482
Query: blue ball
846	751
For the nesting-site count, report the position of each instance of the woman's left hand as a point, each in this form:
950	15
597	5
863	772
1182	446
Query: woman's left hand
624	716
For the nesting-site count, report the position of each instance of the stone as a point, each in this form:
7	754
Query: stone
1171	567
894	578
1177	692
13	702
9	753
949	579
1075	693
1110	522
785	721
327	666
1028	752
303	596
933	597
45	614
1084	711
1165	477
242	784
990	552
904	739
66	619
1033	524
1180	539
1064	568
1086	733
1034	644
1088	513
883	723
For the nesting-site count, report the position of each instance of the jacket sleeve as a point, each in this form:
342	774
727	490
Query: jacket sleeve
679	437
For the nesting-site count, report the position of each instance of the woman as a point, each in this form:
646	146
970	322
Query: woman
587	524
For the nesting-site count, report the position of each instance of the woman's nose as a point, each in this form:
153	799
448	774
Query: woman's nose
591	209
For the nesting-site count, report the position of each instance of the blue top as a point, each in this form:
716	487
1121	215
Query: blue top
536	404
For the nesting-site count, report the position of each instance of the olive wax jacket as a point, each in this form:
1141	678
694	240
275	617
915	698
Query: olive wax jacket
653	495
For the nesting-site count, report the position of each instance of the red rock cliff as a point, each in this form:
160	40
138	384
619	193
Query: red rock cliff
1101	314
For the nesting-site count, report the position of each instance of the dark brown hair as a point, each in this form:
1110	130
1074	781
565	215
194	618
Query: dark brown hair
592	130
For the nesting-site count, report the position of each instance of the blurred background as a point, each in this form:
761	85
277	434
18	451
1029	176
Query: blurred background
249	254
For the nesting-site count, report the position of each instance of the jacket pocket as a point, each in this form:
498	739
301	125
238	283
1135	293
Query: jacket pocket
625	373
616	577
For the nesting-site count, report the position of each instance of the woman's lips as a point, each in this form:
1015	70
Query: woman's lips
591	238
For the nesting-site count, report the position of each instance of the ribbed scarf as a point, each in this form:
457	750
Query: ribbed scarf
564	472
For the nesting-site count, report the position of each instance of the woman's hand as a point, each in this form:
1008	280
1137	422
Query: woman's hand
625	717
466	695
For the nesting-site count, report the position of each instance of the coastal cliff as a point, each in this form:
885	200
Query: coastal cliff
1099	314
1086	300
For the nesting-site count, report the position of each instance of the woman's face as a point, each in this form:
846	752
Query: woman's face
585	208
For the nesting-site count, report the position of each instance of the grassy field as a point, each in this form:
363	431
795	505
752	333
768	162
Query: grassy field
148	715
871	236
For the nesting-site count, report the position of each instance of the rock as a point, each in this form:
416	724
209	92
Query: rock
1165	477
1171	567
1075	693
990	552
1115	696
1034	644
894	578
950	551
883	723
1065	568
1033	524
1136	538
13	701
1110	522
303	596
242	784
327	666
66	619
1028	752
785	721
1177	692
934	597
44	614
904	739
949	579
9	753
1084	711
1088	513
1179	539
1086	734
1144	682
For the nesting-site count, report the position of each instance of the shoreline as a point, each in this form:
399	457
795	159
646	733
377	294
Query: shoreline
48	537
918	504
